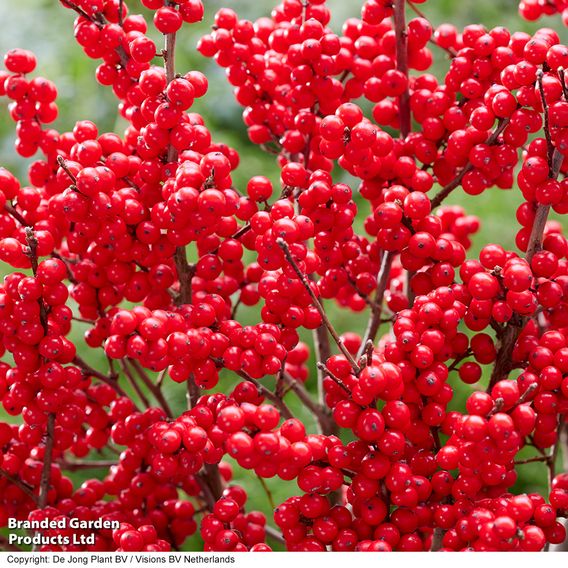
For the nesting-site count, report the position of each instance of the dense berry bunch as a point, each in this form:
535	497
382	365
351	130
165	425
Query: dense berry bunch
144	240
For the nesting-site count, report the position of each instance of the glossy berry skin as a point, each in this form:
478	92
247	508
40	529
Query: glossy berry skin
179	264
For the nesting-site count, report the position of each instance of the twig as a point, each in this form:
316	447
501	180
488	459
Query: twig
85	464
551	464
82	320
264	391
562	77
375	319
80	11
365	297
185	273
214	480
65	261
459	359
89	371
208	496
132	380
154	389
169	64
47	459
267	491
22	486
320	412
274	534
497	406
11	210
161	377
564	443
524	397
193	392
512	331
437	539
63	164
337	380
402	65
32	245
278	387
504	355
323	353
513	328
532	460
447	189
449	50
285	249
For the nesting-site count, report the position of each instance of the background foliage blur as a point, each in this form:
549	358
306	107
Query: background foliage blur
46	28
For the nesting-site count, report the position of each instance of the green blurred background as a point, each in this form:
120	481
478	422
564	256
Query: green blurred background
45	27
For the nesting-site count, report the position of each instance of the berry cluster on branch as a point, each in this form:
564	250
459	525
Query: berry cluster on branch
368	144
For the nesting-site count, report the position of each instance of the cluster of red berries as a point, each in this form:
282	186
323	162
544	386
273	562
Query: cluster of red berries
229	528
104	223
533	9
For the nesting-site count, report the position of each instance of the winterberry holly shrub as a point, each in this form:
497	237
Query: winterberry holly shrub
142	238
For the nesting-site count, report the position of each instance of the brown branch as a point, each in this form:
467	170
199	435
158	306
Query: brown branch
81	12
503	360
32	245
437	539
523	398
82	320
497	406
154	389
323	353
449	50
402	65
161	377
511	333
337	380
547	135
320	412
11	210
78	465
274	534
22	486
564	443
47	460
90	372
267	491
459	359
264	391
63	164
66	261
447	189
134	383
185	272
562	77
208	496
213	479
285	249
551	464
169	64
193	393
537	233
375	320
532	460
